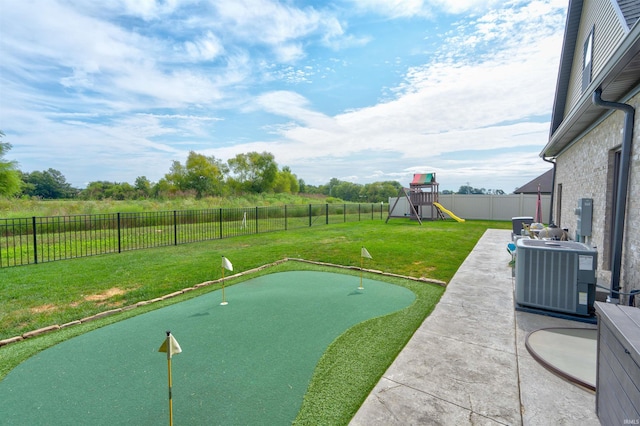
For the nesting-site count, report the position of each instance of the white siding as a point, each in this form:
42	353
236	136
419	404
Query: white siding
608	33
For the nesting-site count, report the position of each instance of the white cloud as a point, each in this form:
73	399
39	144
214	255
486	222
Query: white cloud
174	89
499	100
274	23
442	108
423	8
205	48
291	74
292	105
289	52
88	45
395	8
149	91
464	6
145	9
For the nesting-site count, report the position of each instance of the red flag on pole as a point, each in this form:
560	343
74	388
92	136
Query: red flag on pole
538	218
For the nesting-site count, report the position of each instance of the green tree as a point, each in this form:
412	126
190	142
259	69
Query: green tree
328	189
347	191
96	190
205	175
176	178
121	191
286	182
48	184
253	172
380	191
163	188
10	182
143	186
100	190
200	174
466	189
302	186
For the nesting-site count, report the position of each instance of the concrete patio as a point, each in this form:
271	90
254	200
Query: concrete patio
468	364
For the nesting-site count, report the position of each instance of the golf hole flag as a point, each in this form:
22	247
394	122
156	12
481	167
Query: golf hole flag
170	346
226	264
365	253
229	267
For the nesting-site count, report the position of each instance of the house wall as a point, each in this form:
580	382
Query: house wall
608	33
585	171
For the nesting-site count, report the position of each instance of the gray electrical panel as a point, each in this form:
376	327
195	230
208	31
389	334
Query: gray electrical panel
584	211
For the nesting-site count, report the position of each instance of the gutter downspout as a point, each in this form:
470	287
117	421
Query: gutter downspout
621	201
553	188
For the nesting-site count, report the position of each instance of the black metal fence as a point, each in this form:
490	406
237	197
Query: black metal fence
25	241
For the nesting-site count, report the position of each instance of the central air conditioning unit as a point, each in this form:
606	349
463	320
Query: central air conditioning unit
558	276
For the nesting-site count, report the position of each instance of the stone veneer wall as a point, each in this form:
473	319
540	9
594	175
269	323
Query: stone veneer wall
584	172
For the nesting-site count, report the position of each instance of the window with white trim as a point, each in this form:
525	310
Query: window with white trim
587	56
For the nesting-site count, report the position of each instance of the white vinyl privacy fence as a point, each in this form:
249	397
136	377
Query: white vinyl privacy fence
488	207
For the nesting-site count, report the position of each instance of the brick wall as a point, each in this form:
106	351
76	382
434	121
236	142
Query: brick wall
585	171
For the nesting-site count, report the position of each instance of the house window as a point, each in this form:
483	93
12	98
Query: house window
587	56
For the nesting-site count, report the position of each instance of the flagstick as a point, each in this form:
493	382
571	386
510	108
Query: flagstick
170	380
224	302
361	267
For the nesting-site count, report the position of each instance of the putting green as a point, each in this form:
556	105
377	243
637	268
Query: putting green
248	362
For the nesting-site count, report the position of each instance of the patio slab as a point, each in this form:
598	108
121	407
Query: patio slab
467	363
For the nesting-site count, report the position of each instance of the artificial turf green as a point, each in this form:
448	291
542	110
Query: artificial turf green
249	362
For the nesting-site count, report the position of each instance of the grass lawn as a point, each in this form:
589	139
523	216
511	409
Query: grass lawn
55	293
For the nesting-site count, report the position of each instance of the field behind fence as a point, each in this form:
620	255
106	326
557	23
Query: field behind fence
25	241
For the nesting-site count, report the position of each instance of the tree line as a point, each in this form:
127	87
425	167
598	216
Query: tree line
200	176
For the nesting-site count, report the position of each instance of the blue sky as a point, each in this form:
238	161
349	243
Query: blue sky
359	90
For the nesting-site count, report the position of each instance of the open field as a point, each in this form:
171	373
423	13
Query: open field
58	292
15	208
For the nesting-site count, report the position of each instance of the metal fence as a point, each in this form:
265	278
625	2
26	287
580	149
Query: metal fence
25	241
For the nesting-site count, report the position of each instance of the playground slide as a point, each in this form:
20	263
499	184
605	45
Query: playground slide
453	216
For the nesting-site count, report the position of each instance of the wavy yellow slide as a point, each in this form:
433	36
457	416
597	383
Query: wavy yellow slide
453	216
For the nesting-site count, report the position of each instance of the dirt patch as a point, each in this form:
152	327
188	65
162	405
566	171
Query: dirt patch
43	308
425	271
333	240
100	297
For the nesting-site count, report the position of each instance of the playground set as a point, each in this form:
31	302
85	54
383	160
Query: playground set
422	198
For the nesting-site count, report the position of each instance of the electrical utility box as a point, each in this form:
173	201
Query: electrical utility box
557	276
584	211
